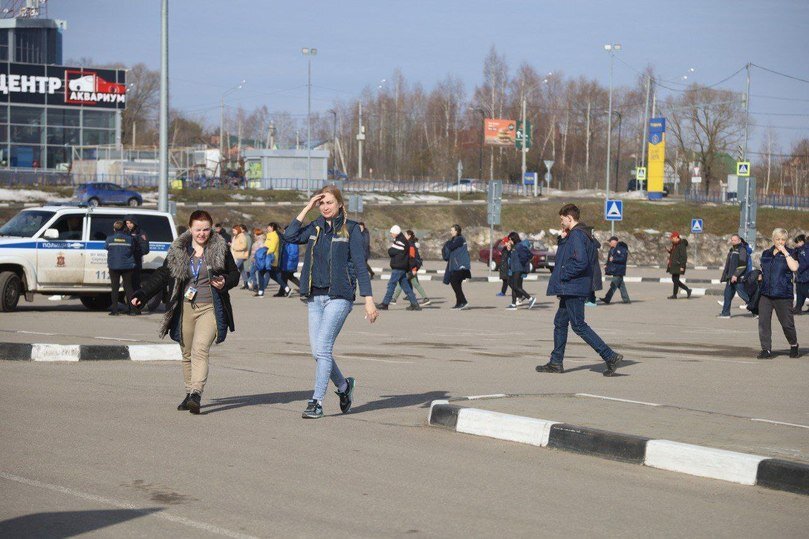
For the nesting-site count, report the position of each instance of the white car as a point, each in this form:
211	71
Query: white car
61	250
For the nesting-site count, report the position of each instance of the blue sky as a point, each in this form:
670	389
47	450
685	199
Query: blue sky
216	43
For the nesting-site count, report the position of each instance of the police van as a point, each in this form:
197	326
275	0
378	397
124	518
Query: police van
61	250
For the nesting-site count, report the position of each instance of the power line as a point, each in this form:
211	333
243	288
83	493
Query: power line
780	74
779	114
793	128
780	98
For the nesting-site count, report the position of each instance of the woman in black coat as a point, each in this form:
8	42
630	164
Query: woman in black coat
200	268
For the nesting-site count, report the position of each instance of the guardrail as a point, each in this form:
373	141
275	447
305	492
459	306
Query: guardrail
775	201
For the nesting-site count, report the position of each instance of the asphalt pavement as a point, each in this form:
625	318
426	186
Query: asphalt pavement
98	447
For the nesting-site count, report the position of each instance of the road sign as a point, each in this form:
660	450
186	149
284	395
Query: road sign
530	178
640	173
743	169
614	210
696	179
494	196
519	137
696	226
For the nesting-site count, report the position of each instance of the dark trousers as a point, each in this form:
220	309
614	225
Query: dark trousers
116	276
136	276
517	291
675	278
571	312
456	281
290	277
801	293
617	284
504	287
783	310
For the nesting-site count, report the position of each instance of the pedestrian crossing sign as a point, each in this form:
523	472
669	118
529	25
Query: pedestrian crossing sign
614	210
743	169
696	226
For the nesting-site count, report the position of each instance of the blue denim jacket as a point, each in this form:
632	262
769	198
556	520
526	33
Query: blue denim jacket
776	277
577	269
347	263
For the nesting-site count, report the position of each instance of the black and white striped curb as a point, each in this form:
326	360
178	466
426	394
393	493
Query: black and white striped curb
732	466
89	352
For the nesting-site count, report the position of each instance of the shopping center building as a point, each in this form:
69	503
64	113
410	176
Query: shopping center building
48	111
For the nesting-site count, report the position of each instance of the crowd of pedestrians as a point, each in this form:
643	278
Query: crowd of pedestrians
206	261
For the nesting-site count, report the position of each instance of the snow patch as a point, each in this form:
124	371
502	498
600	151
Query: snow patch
29	195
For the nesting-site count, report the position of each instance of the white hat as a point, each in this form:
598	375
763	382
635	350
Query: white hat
396	230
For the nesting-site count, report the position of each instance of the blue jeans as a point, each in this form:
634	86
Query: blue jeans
326	318
731	289
617	283
571	311
258	278
399	277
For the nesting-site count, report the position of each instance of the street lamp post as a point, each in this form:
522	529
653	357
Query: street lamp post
334	144
222	127
482	140
309	52
611	48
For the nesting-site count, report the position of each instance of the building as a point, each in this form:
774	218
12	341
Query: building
48	110
285	169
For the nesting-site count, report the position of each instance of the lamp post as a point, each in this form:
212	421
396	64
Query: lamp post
334	144
222	126
610	48
309	52
618	155
163	178
482	140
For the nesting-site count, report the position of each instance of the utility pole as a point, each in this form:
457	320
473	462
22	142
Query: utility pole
587	145
525	144
360	138
162	186
746	113
309	52
645	142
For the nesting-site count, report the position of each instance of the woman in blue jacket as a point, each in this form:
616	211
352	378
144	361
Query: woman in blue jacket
777	264
456	254
333	264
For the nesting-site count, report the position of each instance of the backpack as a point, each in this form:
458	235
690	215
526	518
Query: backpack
414	257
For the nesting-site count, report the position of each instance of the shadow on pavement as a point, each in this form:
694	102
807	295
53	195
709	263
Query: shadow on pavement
599	367
240	401
68	523
400	401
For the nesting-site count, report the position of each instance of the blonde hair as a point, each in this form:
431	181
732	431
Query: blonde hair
338	196
779	233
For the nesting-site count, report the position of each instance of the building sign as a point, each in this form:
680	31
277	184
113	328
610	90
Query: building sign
498	132
657	155
34	84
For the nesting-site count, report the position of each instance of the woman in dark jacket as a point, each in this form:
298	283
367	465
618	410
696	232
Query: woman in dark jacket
678	258
519	265
201	269
456	254
333	265
777	265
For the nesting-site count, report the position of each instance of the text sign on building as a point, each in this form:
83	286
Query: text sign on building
34	84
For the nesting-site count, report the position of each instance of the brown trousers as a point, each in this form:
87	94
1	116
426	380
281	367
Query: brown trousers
199	333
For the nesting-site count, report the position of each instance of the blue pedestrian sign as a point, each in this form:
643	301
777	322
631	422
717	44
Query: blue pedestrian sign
530	178
614	210
696	226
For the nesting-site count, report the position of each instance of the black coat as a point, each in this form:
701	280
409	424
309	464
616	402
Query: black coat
176	271
678	258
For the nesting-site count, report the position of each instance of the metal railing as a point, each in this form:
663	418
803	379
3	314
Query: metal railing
763	199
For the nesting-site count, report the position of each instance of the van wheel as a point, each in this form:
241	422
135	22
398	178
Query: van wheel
132	202
10	290
99	302
94	202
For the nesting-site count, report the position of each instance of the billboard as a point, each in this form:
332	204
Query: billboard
35	84
657	155
498	132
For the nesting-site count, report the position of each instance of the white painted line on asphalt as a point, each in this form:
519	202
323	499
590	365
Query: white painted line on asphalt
633	279
155	352
116	339
588	395
204	526
703	461
55	352
780	423
492	396
508	427
494	279
349	356
385	277
35	332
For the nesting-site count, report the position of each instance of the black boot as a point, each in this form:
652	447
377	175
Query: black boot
183	406
194	403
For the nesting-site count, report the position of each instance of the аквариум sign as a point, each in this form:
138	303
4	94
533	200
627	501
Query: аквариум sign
35	84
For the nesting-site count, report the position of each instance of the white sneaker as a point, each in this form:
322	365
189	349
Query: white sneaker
743	306
511	307
531	302
720	302
518	303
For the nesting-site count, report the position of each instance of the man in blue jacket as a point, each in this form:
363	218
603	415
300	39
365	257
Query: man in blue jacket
121	263
802	275
616	268
572	281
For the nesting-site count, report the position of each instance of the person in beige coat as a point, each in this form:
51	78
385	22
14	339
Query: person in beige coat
238	247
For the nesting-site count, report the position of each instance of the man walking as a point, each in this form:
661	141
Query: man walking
732	274
121	263
616	268
572	281
678	259
802	275
399	265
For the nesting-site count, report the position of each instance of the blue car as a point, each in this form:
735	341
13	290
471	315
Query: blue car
106	194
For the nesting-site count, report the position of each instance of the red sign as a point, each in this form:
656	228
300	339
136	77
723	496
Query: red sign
88	88
499	132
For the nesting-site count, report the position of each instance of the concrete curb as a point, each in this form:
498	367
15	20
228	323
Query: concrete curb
89	352
732	466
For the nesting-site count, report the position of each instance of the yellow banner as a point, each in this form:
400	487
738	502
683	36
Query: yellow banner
657	155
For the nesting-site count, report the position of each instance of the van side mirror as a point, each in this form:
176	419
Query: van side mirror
51	234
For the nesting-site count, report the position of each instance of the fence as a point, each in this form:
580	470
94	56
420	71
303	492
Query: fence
775	201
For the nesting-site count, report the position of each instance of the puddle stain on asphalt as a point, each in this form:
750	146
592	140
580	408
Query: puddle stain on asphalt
159	494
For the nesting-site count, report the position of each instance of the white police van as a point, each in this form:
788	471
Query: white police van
61	250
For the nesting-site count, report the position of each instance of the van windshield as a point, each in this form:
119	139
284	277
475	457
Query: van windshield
26	223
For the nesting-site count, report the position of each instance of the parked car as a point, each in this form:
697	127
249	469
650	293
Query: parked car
106	194
542	257
61	250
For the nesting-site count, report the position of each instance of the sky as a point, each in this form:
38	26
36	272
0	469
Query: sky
214	44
